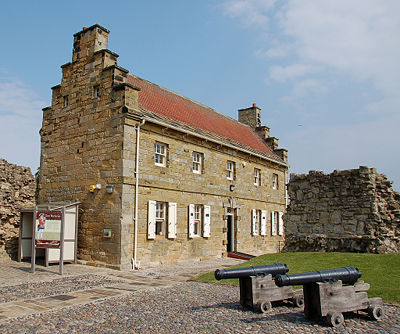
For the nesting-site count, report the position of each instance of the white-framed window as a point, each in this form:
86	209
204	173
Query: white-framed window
66	101
160	154
160	218
257	177
96	91
274	222
277	223
259	222
230	170
256	222
159	214
275	181
280	223
199	220
197	162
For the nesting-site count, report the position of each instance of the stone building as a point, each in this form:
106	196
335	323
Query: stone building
160	178
17	189
351	210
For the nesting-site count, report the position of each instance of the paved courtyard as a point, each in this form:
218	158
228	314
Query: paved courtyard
156	300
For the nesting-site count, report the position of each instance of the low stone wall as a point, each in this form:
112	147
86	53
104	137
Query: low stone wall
17	189
352	210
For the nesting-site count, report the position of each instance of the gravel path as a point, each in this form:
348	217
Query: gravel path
188	307
59	286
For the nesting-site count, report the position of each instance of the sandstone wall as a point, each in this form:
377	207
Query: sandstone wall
177	183
17	189
352	210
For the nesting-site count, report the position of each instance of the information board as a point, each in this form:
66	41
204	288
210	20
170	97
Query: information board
48	229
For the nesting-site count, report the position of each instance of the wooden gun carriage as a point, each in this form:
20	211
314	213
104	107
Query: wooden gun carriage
325	296
258	288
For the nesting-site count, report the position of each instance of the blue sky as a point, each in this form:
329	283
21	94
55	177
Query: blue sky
325	73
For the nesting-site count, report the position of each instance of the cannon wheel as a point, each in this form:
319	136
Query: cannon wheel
375	312
264	307
298	301
334	319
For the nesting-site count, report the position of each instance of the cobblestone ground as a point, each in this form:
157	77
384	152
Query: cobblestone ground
188	307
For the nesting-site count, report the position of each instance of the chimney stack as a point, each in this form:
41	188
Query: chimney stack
89	40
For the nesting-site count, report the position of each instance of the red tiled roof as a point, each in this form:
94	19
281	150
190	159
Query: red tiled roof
169	104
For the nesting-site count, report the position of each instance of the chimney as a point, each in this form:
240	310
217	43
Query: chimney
250	116
89	40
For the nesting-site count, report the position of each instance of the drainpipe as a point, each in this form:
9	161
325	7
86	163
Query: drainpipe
135	264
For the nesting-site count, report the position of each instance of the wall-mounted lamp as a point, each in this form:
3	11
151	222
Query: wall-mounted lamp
93	187
243	164
110	188
232	187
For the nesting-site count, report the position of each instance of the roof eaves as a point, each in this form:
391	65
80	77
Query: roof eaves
182	127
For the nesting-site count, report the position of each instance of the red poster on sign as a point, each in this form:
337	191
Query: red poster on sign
48	229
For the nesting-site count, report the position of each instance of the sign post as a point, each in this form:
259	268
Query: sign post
33	252
61	264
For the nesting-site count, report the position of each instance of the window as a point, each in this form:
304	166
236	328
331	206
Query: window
230	170
274	181
259	222
159	214
257	176
197	162
256	221
160	156
280	223
160	218
96	91
66	102
197	220
274	222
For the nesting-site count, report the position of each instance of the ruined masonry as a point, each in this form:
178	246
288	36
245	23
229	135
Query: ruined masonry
352	210
17	189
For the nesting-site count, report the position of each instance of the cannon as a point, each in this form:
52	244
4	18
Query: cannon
257	286
330	293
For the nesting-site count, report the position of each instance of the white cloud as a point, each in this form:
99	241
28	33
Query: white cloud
20	117
251	12
359	37
305	87
285	73
337	47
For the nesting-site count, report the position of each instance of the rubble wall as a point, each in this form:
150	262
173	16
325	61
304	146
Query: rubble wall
17	189
351	211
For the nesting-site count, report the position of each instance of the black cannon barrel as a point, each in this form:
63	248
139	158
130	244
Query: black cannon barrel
273	269
348	275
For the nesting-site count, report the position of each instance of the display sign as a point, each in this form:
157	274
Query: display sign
48	229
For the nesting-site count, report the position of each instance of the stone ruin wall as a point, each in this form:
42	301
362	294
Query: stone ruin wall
351	211
17	189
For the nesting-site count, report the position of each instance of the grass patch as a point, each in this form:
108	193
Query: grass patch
381	271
